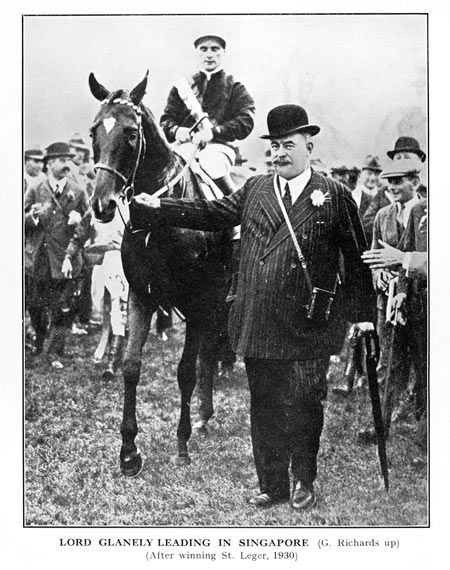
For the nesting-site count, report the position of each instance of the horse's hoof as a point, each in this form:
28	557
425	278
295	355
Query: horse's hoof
183	460
200	427
131	465
108	375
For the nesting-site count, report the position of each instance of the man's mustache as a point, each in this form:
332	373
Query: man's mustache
281	162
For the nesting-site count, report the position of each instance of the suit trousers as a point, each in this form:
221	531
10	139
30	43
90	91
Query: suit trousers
286	420
408	347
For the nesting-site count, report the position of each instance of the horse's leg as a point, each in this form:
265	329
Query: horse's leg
140	316
208	358
186	382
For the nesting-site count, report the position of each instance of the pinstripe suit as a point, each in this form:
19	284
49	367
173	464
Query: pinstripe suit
286	355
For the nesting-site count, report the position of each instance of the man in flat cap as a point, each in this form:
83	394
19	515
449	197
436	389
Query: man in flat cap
229	107
33	164
389	227
404	148
53	207
273	323
81	169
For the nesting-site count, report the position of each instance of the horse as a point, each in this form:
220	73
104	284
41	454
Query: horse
167	266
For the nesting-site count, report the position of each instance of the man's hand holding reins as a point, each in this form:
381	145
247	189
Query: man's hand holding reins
202	137
147	201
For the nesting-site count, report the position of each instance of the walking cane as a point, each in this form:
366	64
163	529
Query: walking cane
372	356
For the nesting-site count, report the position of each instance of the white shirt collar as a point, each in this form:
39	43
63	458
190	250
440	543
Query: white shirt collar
57	185
210	73
30	179
407	208
297	184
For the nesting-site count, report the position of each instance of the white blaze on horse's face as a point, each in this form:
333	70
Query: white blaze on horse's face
109	123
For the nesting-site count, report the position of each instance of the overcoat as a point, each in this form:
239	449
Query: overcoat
50	237
226	101
268	319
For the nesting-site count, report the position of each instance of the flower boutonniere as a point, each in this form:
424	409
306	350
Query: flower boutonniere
318	198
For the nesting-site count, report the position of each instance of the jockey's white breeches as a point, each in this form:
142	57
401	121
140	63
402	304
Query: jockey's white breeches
215	159
109	276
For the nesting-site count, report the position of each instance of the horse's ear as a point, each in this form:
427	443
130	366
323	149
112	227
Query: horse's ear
97	90
139	91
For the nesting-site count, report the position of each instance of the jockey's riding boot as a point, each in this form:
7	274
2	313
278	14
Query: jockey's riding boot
115	356
226	185
235	260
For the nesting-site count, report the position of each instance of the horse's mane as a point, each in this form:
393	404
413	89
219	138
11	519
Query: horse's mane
159	162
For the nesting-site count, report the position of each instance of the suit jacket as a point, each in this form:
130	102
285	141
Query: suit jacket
386	228
268	318
227	102
46	242
415	239
380	200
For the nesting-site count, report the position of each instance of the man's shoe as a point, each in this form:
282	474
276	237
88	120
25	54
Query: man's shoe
266	500
303	497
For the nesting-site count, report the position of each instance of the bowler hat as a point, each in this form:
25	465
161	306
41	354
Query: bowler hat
217	39
286	119
58	149
77	142
401	167
372	163
35	153
407	144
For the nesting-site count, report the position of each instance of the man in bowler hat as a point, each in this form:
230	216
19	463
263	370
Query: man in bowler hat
53	207
286	354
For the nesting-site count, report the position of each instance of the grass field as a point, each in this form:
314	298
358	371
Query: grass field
72	443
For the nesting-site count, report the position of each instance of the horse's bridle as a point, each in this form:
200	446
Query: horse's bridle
128	182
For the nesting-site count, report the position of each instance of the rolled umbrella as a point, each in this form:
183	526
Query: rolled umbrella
372	357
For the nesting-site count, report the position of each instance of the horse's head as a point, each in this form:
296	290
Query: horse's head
118	144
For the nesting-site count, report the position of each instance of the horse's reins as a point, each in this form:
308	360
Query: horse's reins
129	182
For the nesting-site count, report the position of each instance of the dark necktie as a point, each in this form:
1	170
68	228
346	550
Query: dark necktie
287	198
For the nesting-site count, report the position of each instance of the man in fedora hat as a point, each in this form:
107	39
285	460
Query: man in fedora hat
33	164
230	112
286	348
345	174
406	147
53	207
402	177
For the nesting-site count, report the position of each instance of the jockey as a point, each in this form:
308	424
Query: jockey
229	110
229	107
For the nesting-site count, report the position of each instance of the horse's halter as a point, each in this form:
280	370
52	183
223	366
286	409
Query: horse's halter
127	190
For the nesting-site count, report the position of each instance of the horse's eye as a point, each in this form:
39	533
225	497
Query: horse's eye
132	137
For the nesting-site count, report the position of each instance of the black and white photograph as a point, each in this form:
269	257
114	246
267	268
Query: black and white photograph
225	326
